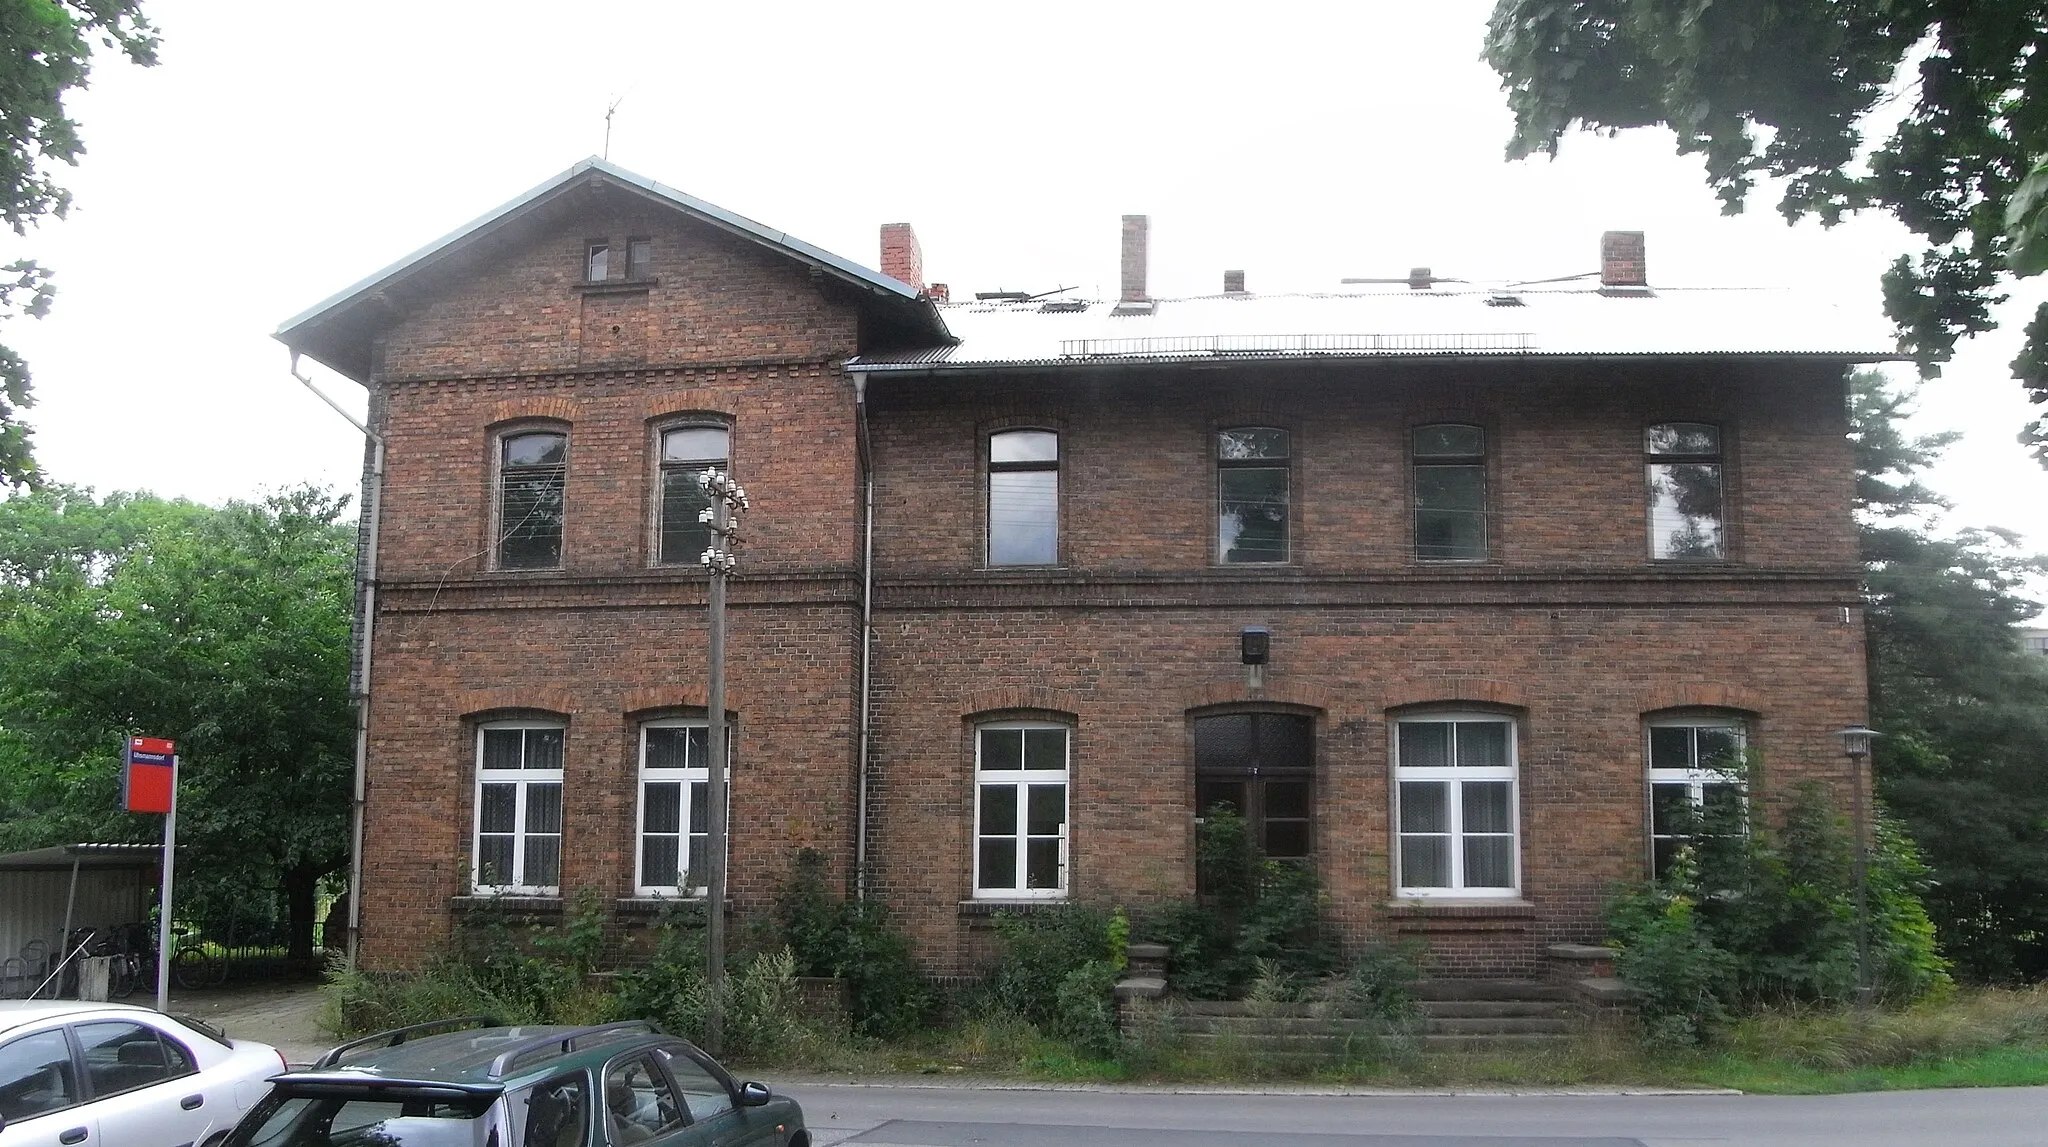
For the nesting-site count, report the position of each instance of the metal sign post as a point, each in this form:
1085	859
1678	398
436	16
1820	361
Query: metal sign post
149	783
163	915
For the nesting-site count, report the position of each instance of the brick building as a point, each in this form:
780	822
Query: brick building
1448	590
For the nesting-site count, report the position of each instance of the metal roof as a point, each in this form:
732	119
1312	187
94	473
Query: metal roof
1455	323
63	856
303	331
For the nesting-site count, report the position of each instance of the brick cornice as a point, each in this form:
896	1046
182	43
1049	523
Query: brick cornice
643	373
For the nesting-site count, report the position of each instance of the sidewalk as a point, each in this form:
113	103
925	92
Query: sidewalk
283	1015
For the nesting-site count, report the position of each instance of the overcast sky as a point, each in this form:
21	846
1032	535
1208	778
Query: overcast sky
282	151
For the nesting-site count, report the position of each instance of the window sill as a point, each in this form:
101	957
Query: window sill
985	908
525	902
615	286
651	906
1454	908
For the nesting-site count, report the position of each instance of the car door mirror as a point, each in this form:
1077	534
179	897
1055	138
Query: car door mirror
754	1094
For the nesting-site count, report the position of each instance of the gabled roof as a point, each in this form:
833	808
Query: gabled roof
336	331
1468	323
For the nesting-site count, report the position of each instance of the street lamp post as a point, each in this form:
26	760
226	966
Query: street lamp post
728	502
1856	746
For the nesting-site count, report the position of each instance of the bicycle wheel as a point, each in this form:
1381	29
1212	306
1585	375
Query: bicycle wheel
122	978
193	968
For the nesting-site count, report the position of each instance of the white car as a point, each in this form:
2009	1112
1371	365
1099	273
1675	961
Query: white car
74	1073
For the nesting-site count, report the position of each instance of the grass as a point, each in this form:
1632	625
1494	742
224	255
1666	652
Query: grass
1975	1038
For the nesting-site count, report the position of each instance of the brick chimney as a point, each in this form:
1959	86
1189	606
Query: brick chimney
939	293
1233	282
1133	300
1621	260
902	260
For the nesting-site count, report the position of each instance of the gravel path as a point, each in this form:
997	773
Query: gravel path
284	1015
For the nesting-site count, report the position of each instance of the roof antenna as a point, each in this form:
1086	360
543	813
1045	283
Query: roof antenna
608	125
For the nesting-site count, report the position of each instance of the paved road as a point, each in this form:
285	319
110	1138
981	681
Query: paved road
862	1116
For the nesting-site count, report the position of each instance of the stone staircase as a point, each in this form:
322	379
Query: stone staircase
1468	1014
1457	1015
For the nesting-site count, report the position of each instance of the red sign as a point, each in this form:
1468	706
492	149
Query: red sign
148	774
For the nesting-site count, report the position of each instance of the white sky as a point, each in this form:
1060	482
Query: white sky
283	150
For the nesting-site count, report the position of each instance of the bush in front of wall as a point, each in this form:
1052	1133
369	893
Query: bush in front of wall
1750	918
1250	909
888	994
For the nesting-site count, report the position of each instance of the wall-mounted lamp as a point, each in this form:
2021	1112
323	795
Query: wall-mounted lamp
1255	646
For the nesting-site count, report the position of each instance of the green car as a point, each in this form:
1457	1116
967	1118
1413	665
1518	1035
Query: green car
471	1082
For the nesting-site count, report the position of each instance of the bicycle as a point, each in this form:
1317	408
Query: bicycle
194	965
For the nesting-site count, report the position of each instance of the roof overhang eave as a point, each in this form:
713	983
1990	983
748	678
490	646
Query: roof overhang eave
1110	362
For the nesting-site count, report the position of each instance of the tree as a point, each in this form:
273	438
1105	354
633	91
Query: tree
45	51
1964	762
225	629
1784	88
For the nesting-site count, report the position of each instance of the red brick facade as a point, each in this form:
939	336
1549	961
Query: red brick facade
1568	628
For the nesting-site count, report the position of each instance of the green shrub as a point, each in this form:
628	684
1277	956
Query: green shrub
1085	1008
1038	951
1250	909
887	991
1751	918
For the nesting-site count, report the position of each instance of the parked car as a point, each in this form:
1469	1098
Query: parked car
81	1074
471	1082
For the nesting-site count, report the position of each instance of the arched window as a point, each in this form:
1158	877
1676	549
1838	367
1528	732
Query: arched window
533	469
1020	810
1696	780
518	807
1023	498
1260	766
1456	804
675	813
686	452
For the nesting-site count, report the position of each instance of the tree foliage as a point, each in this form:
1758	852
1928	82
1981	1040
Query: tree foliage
1964	763
1784	89
46	49
226	630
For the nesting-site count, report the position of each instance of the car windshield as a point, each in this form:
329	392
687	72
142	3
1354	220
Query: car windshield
335	1121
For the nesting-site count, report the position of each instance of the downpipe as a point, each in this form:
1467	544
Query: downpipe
867	632
366	580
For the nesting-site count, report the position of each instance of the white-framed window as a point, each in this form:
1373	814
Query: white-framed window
1456	805
1695	777
1021	773
674	832
1023	498
518	808
686	452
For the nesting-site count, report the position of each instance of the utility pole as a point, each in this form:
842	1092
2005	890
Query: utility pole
728	502
1856	746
